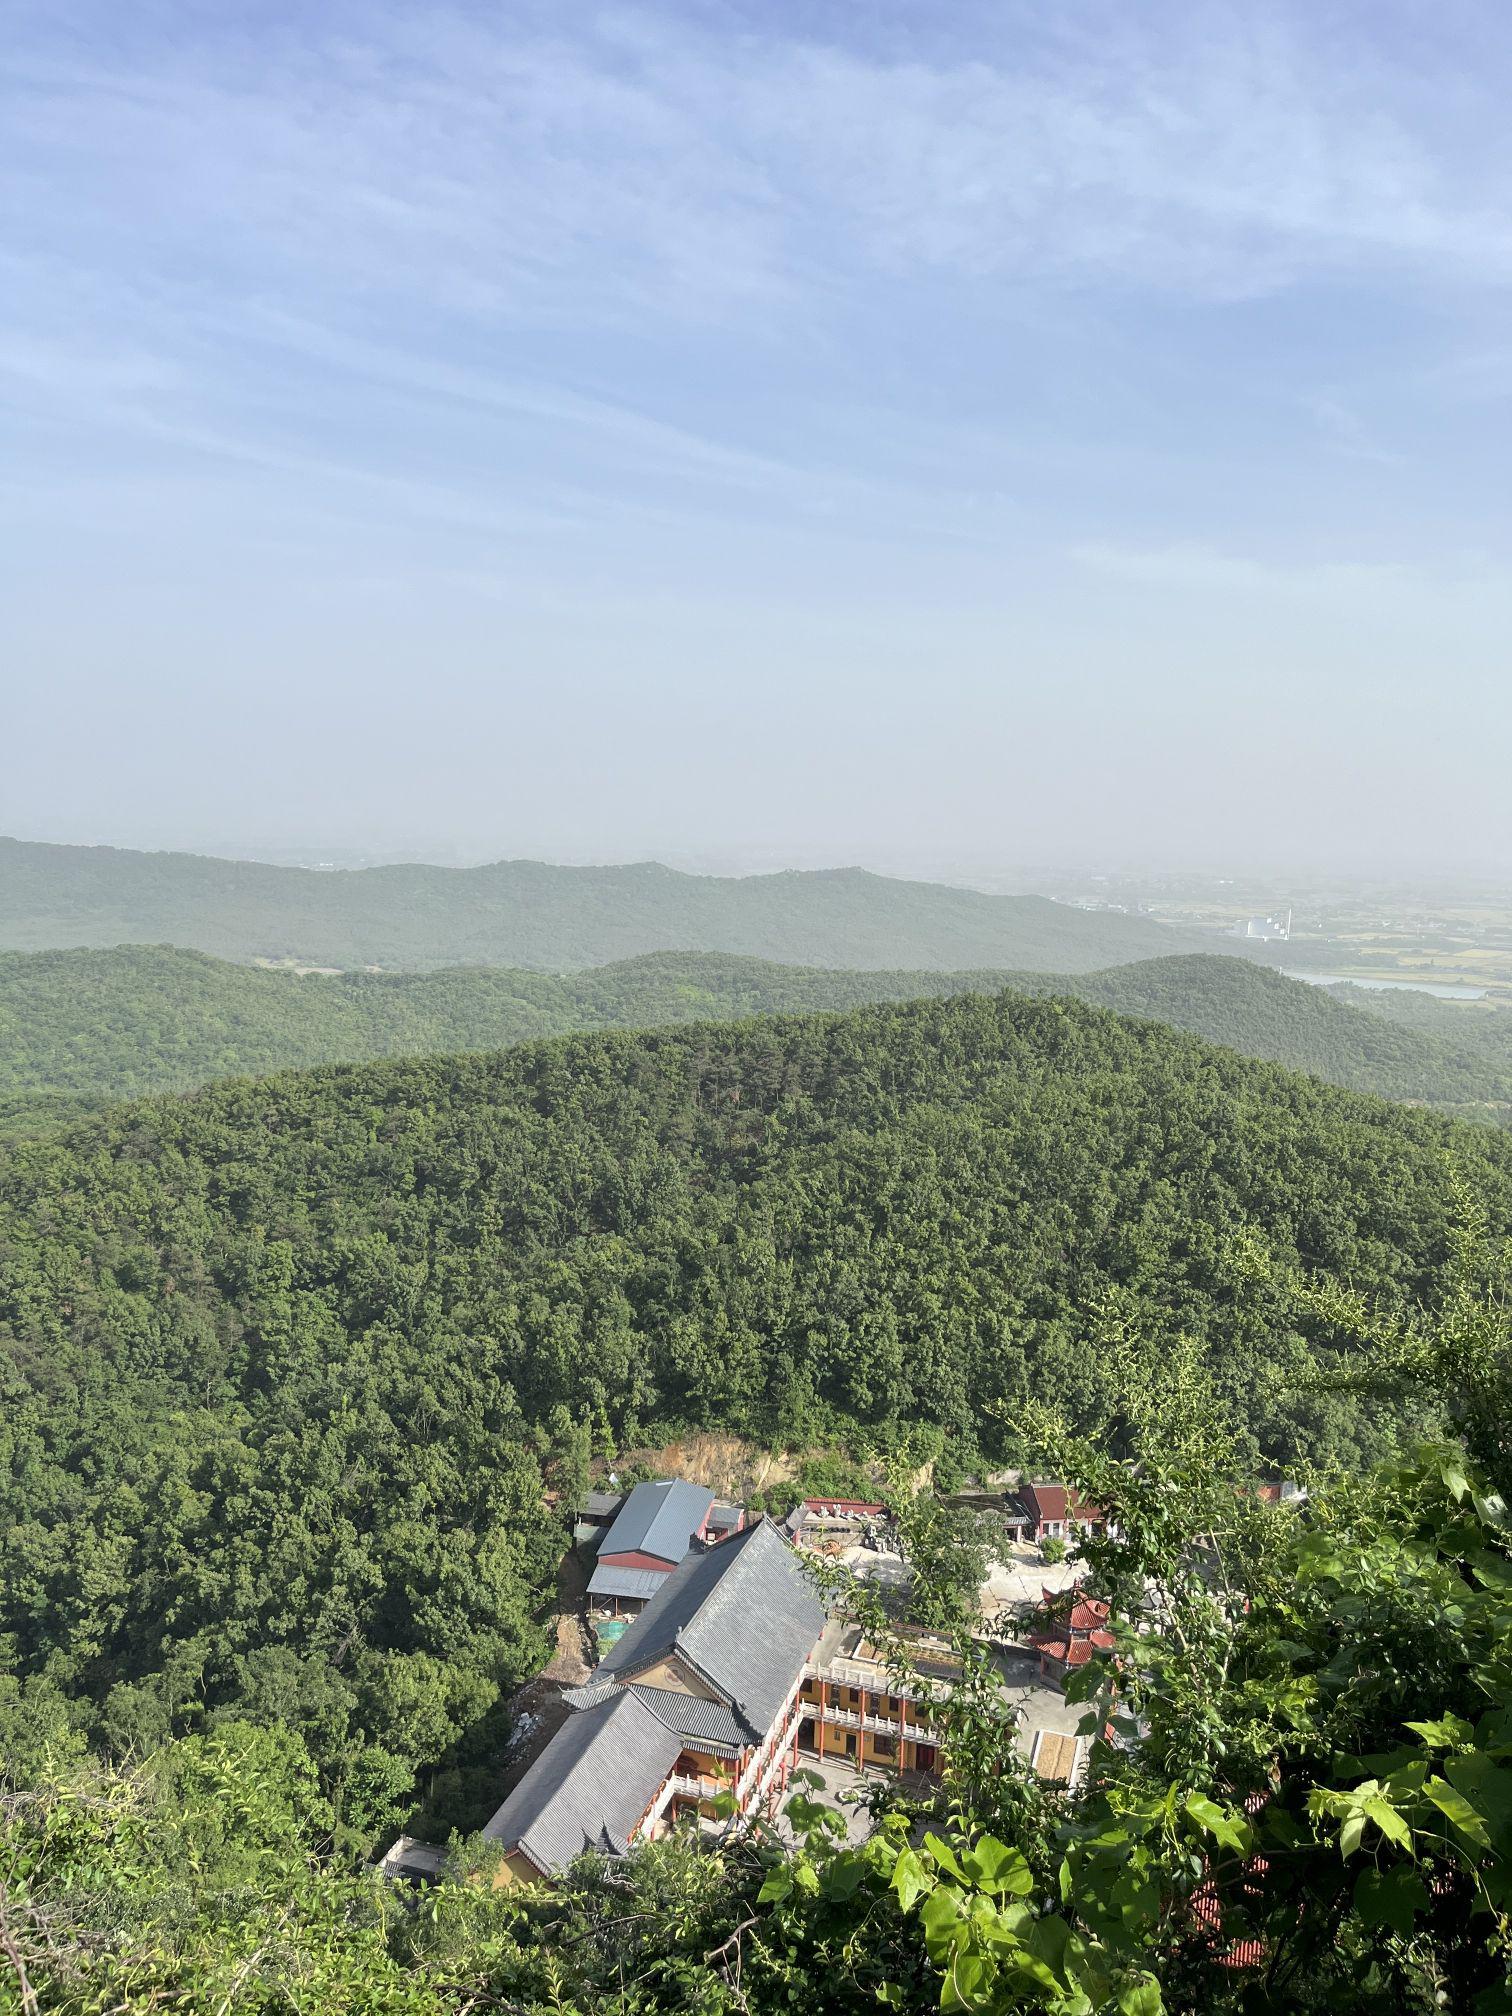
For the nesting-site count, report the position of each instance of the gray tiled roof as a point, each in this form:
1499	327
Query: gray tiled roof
625	1581
743	1614
659	1519
702	1723
590	1785
745	1618
590	1693
686	1715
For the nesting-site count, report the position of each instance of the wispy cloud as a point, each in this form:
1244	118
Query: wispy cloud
560	217
1192	567
637	165
645	437
1345	431
1161	154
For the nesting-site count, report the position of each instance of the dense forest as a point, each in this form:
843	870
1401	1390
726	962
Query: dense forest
81	1028
286	1368
1317	1817
282	1361
533	914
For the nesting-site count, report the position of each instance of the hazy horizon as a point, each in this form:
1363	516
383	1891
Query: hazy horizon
990	873
806	435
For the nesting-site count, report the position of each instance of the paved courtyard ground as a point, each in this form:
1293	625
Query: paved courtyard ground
1020	1580
1013	1584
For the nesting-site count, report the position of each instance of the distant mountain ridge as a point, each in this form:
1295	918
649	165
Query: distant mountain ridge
545	918
81	1028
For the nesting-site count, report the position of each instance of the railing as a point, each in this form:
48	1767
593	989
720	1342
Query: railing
758	1773
876	1725
877	1680
761	1767
699	1787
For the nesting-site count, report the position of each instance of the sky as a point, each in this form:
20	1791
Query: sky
849	431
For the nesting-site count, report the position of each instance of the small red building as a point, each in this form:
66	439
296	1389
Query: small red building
1071	1629
1055	1515
655	1530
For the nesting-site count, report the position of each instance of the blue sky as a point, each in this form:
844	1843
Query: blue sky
873	432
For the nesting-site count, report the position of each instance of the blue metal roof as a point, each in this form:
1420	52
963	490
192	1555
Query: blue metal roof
659	1519
642	1582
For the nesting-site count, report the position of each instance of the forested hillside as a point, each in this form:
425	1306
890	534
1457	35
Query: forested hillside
1261	1012
529	913
282	1361
80	1028
1479	1028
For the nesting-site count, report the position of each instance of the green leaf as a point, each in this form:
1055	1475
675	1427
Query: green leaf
1140	1998
1048	1939
1137	1900
1455	1481
1387	1818
1228	1828
1486	1782
1448	1732
946	1856
1351	1834
1457	1808
779	1884
910	1879
1206	1812
1005	1924
941	1917
969	1979
1281	1826
843	1876
1390	1898
996	1868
